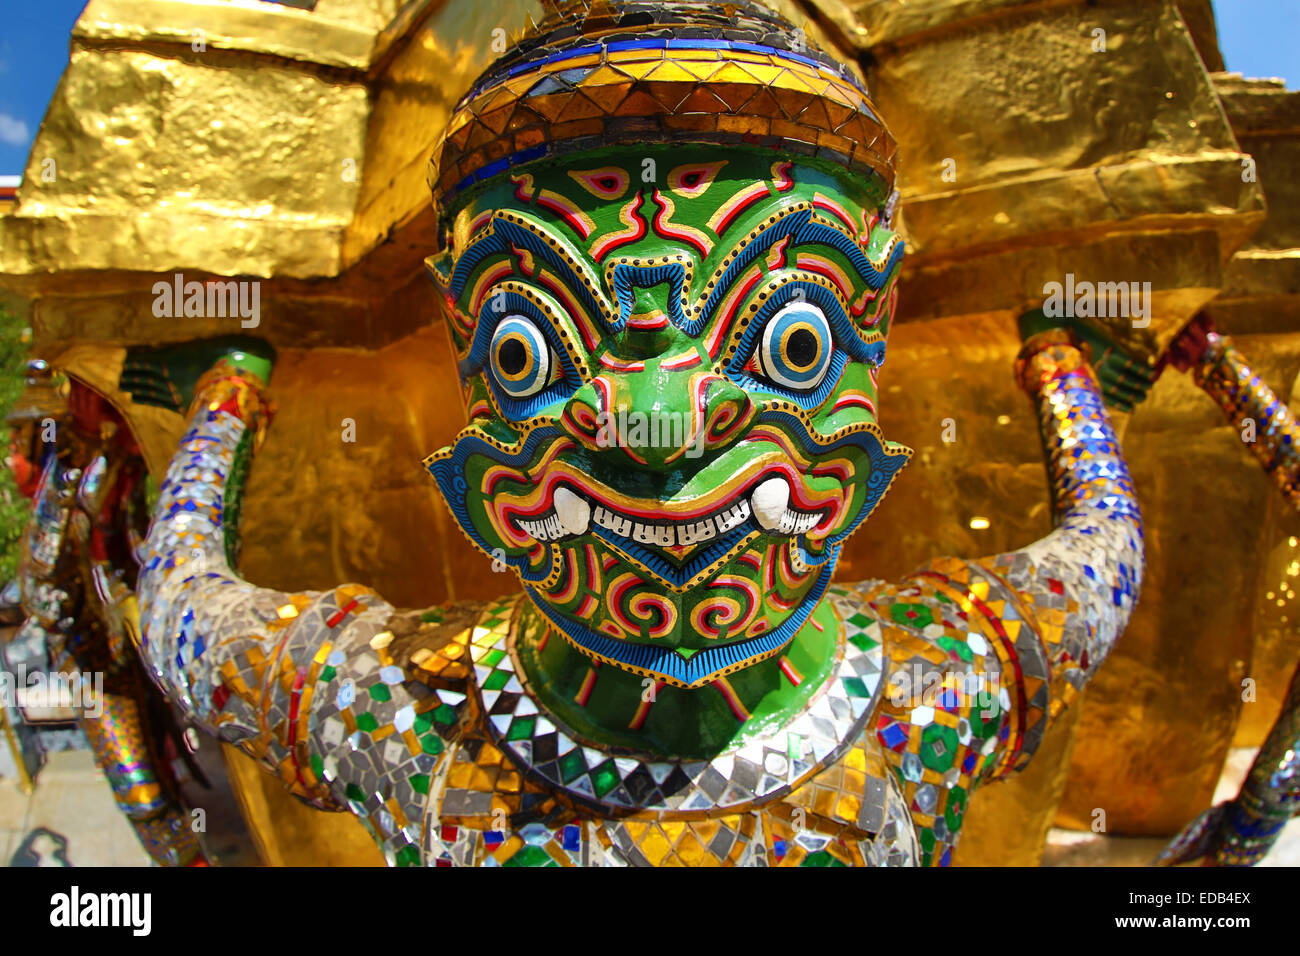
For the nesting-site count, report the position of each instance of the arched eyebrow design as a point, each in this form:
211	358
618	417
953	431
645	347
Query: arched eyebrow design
796	222
510	230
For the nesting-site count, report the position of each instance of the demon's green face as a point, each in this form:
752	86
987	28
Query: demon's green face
670	359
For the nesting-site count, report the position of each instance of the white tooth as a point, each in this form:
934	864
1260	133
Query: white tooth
787	522
573	512
731	517
643	533
695	533
770	500
613	521
665	536
807	522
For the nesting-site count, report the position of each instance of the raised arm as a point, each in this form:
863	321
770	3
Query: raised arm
1267	425
982	654
1242	831
302	682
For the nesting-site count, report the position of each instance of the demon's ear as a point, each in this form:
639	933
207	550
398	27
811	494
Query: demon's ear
439	266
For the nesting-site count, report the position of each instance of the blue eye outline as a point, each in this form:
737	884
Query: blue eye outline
523	315
772	355
844	342
535	374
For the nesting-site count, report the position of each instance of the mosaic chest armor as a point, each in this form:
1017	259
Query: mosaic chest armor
817	791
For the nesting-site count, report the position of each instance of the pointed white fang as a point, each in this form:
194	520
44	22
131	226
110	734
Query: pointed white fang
806	522
574	513
770	500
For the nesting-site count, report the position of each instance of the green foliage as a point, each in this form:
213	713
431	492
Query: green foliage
14	508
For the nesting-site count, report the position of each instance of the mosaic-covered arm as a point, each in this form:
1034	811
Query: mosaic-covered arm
302	682
1271	794
1015	636
1077	587
1267	424
1243	831
1270	797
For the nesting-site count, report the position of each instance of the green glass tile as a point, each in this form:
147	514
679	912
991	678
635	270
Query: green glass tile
862	642
960	648
431	744
420	783
496	680
423	722
522	728
408	856
355	793
938	747
911	615
855	687
572	765
327	675
604	778
860	620
445	714
367	723
821	858
317	766
952	813
491	658
531	856
381	693
433	616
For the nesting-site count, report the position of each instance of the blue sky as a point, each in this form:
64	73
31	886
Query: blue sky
1259	38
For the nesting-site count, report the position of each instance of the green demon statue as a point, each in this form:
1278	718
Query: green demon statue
669	276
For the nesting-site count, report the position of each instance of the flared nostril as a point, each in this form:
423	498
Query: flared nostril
584	414
658	420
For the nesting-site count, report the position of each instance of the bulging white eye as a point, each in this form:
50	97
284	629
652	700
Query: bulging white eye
521	357
796	347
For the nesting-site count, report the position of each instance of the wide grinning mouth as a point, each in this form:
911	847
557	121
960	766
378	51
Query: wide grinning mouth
779	503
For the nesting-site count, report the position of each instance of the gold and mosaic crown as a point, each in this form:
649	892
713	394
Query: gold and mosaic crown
596	74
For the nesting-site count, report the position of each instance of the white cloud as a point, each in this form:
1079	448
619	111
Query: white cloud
13	131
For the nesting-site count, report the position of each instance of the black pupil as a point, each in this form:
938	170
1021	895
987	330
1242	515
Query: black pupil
512	357
801	348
